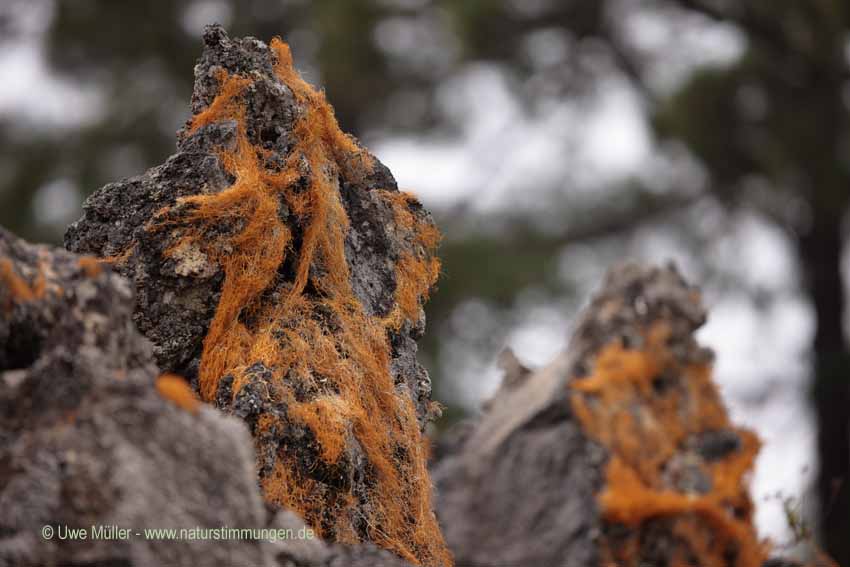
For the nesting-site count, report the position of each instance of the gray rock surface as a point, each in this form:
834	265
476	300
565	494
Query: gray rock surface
87	440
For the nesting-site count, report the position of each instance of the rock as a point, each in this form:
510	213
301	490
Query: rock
86	438
91	440
278	268
618	452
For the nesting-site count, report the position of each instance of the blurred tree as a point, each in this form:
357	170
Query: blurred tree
773	130
770	130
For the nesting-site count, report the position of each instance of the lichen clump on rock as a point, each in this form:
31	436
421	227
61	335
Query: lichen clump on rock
676	464
312	268
620	447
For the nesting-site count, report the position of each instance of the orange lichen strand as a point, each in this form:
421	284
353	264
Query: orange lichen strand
415	278
177	391
91	266
18	287
118	259
643	430
329	419
627	500
425	234
286	325
416	272
225	104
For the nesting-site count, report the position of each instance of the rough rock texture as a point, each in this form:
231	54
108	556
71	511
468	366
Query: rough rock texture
619	451
89	436
278	268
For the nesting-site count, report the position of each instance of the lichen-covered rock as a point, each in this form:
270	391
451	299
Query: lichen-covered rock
280	270
91	439
618	452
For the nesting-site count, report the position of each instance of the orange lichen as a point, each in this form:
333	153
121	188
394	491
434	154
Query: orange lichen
644	430
328	417
91	266
311	326
177	391
417	272
226	103
18	287
120	258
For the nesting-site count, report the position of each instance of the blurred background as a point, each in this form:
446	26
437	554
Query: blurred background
550	138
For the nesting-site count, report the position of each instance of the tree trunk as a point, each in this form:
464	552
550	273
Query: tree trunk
820	250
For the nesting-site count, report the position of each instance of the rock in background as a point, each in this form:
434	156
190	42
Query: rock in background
279	269
618	452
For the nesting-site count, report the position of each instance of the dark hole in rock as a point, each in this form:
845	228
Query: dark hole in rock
714	445
22	348
270	134
663	382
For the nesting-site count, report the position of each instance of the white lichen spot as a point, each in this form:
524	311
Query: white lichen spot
191	261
